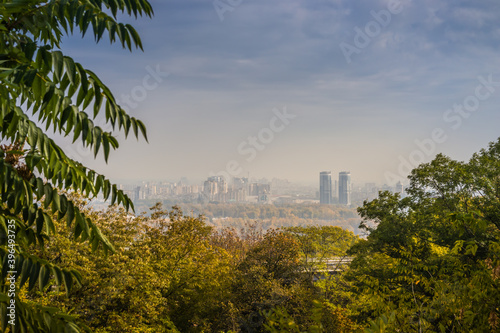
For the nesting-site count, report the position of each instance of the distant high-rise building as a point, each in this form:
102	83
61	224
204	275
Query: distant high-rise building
137	193
240	183
257	189
210	187
239	190
215	188
345	188
325	187
399	188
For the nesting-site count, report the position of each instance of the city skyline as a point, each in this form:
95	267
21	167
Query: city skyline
216	189
306	87
263	179
328	187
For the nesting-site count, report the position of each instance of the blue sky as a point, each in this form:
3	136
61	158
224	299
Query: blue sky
227	76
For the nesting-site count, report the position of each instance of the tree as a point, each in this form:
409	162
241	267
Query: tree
324	258
270	276
171	273
164	275
320	243
431	261
119	292
193	275
37	78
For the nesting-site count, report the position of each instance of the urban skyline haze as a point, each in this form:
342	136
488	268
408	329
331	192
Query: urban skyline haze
290	88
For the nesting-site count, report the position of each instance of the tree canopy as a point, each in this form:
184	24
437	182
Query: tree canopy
431	262
42	89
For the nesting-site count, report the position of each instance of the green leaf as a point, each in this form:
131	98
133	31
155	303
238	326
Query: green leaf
43	277
70	69
68	281
58	61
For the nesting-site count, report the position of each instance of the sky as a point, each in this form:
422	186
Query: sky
289	88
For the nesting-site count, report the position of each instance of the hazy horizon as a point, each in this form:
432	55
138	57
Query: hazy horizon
291	88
